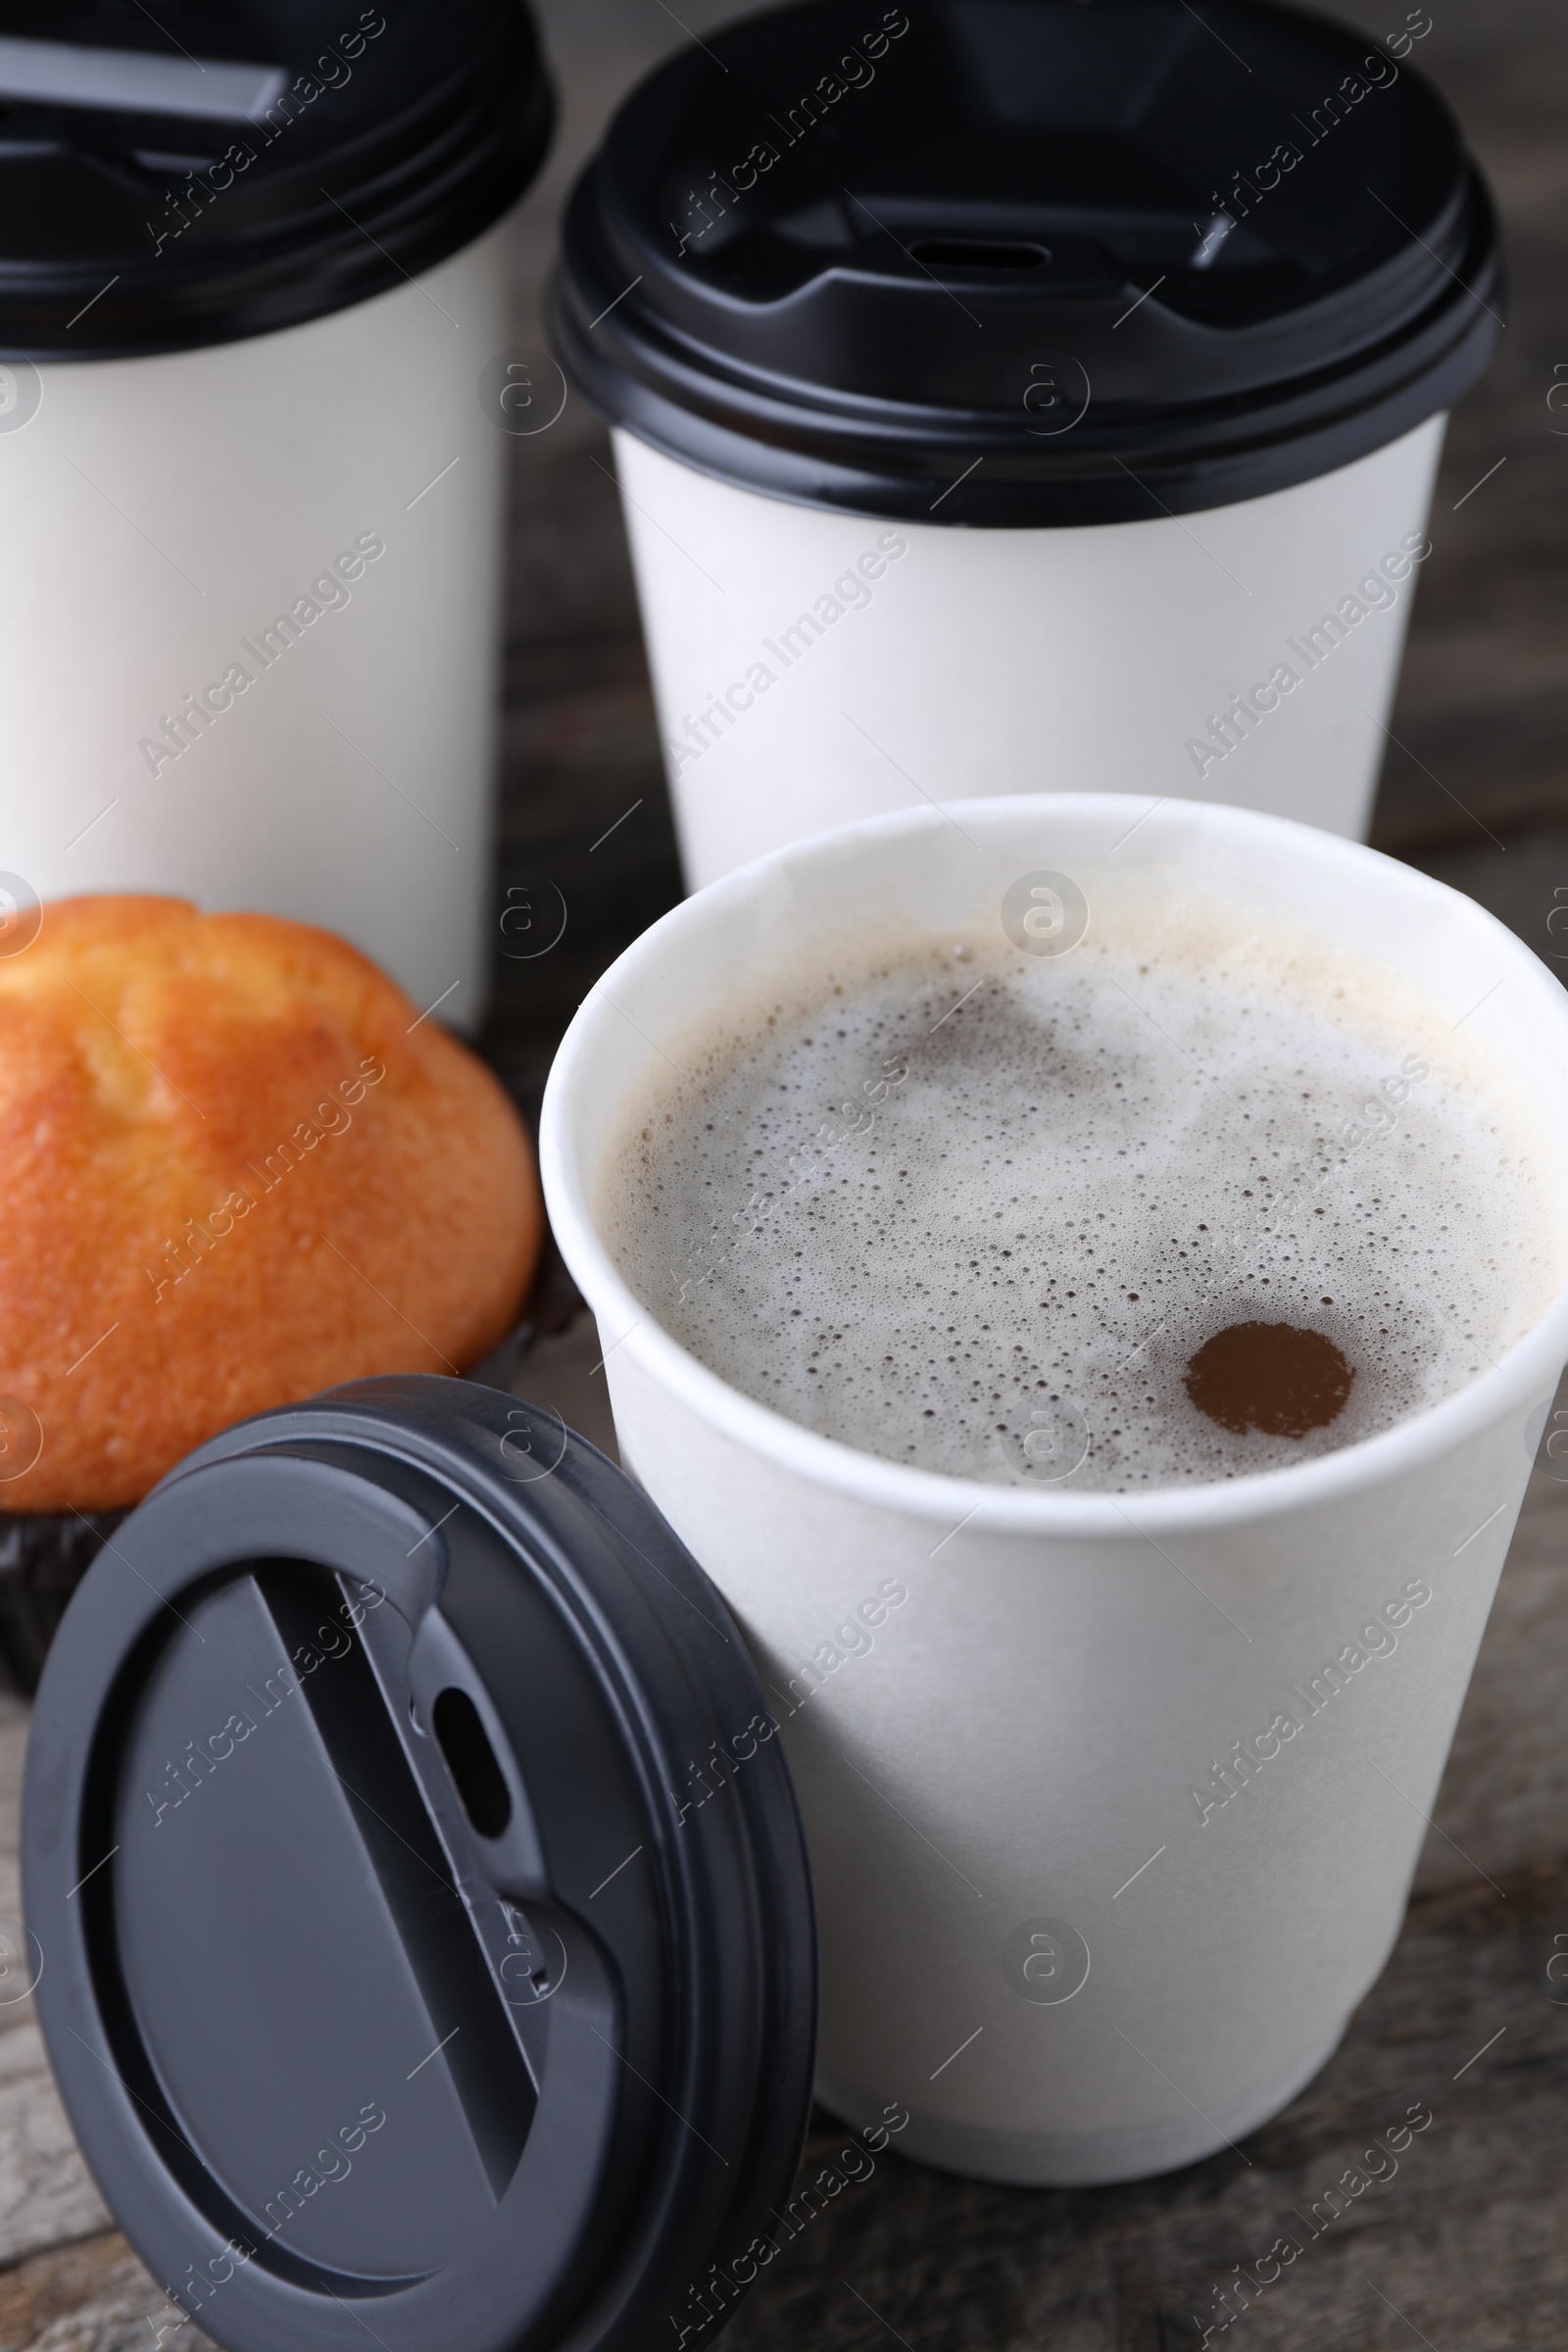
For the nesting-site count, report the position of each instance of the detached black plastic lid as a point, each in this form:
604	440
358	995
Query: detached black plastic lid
1020	261
195	171
393	1994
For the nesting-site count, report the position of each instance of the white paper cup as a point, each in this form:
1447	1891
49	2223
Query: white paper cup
284	699
1034	1936
255	396
813	667
949	473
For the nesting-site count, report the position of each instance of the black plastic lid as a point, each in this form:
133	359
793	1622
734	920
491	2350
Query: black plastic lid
1025	262
398	1975
212	168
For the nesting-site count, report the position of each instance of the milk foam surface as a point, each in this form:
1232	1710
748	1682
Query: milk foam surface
974	1211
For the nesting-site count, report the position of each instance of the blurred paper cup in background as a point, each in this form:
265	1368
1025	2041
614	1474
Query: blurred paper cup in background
1008	393
250	489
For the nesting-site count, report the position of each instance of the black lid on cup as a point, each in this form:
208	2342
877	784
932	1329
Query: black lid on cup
1023	262
395	1971
214	169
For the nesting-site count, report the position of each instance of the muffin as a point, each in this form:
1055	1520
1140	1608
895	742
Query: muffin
242	1167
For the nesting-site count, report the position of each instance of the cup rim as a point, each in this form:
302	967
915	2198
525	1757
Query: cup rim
1534	1362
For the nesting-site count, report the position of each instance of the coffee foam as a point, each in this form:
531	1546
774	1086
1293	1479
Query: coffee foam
975	1210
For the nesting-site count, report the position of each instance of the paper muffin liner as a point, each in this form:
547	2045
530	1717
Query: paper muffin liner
43	1557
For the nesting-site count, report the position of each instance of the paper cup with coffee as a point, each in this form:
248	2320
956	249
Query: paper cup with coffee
1024	391
1086	1277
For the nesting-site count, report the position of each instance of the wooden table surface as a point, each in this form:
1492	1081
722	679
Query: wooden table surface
1466	2247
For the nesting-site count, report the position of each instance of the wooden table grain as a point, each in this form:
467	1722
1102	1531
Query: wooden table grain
1464	2247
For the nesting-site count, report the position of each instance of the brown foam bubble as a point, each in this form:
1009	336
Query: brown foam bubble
1272	1377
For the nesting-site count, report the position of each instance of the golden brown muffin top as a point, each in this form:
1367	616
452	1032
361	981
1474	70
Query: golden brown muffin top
238	1167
